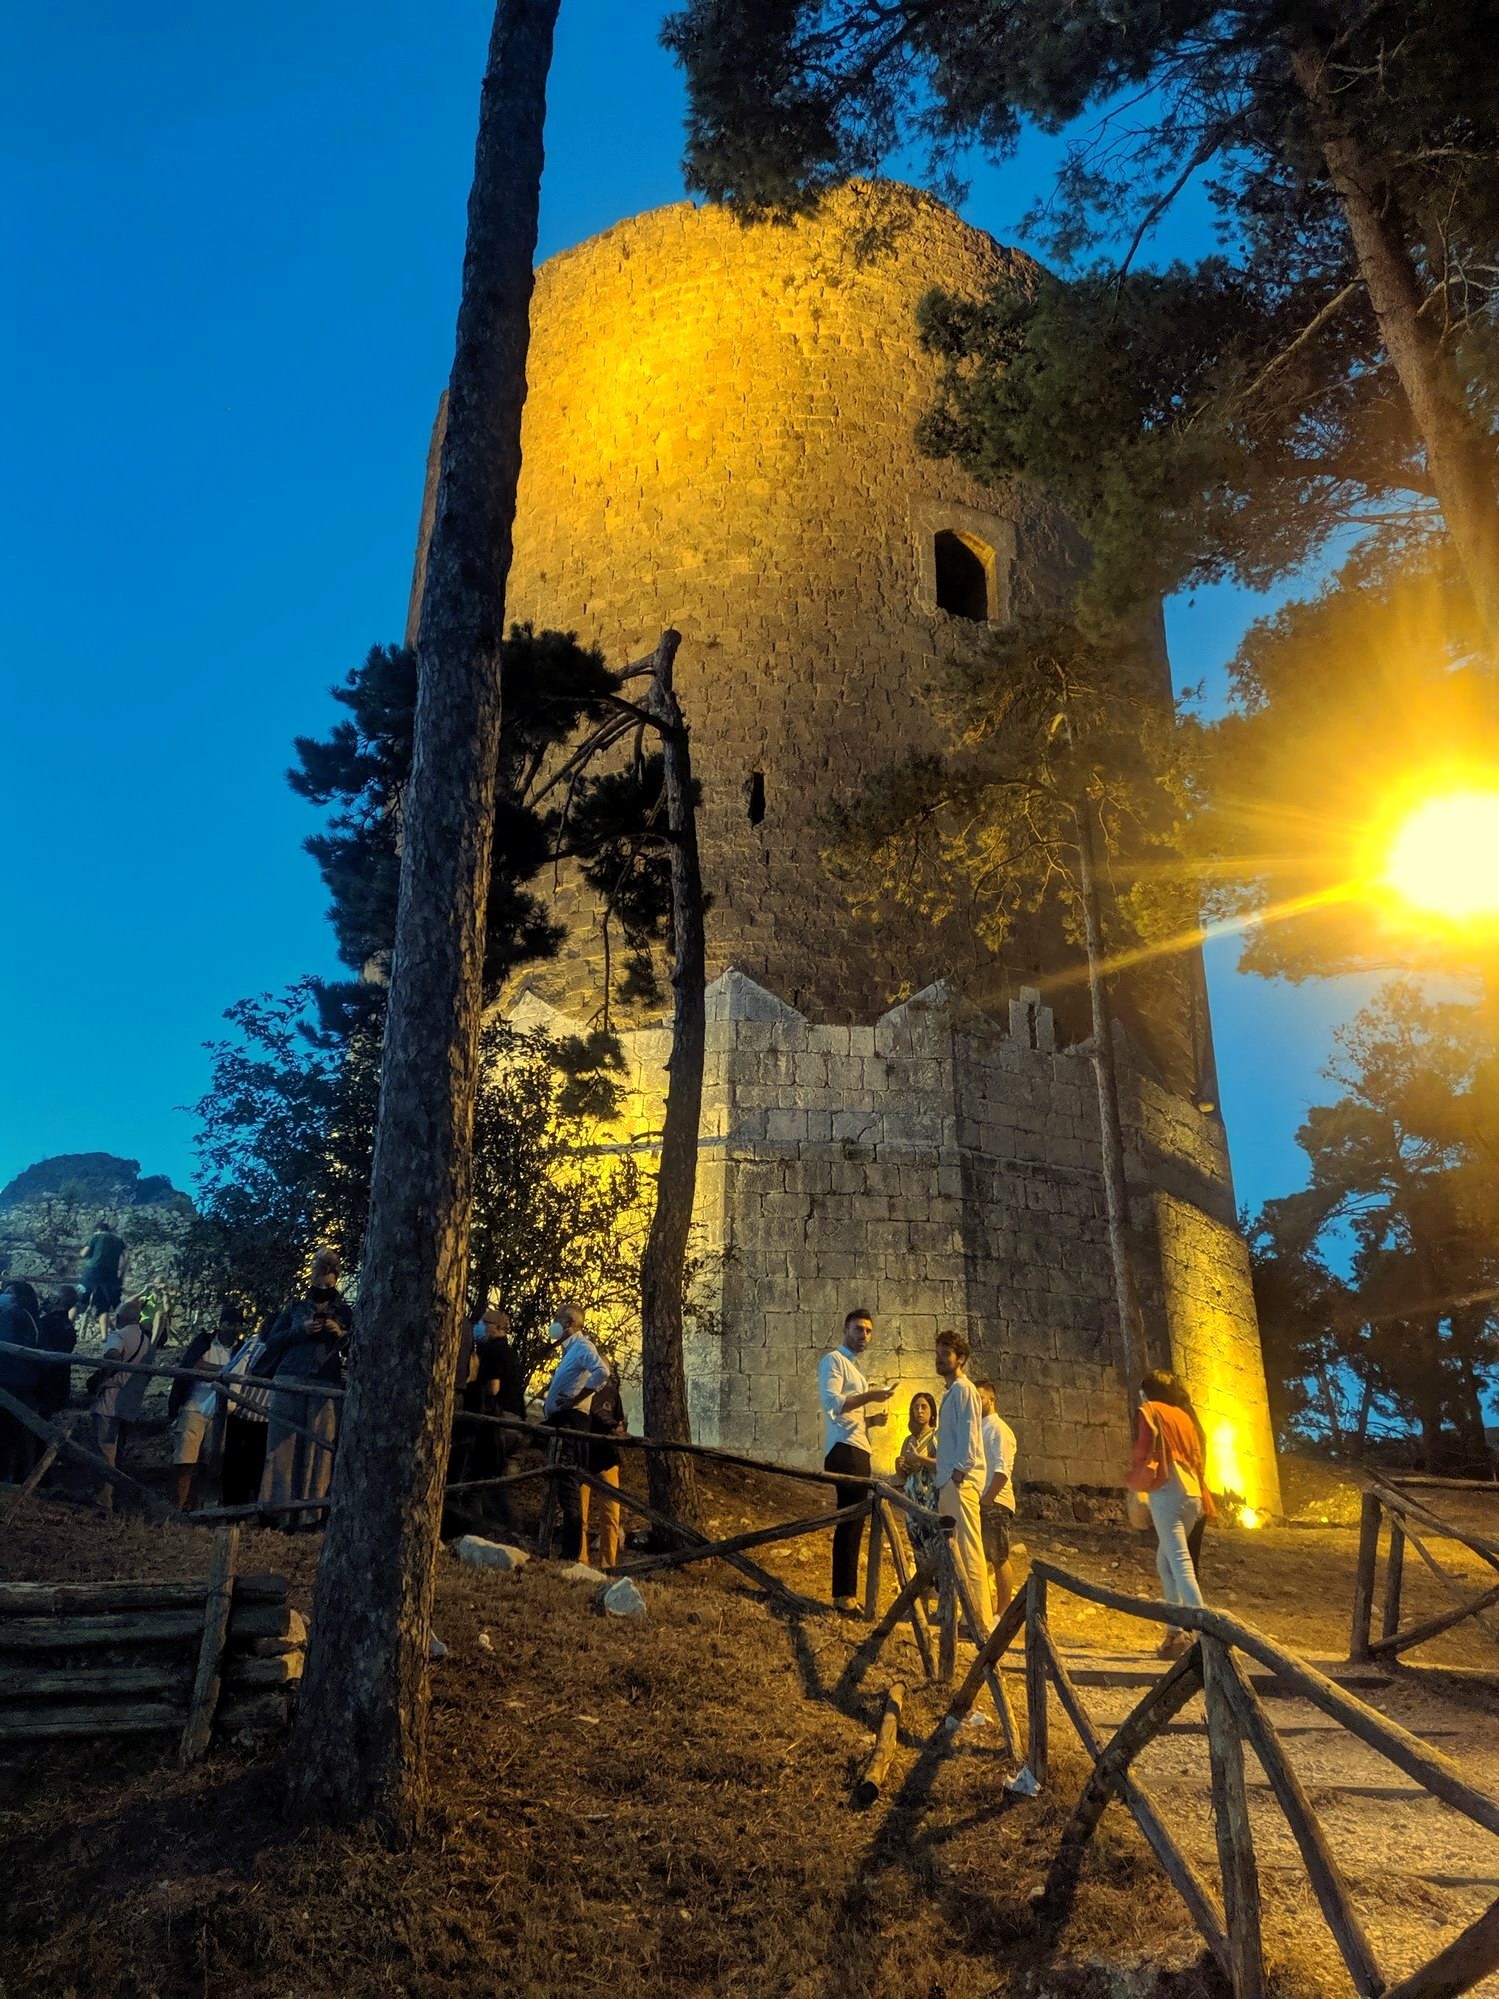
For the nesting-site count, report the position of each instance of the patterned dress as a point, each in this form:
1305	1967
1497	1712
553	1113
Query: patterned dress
921	1487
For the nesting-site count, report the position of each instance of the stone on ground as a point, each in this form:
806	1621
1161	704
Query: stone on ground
622	1599
580	1572
482	1554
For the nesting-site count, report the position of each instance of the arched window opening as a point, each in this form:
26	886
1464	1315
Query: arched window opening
754	793
963	566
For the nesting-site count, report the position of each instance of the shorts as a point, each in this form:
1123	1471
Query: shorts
103	1293
190	1429
994	1525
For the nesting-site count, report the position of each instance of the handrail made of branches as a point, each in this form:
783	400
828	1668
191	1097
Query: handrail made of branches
1407	1517
1230	1925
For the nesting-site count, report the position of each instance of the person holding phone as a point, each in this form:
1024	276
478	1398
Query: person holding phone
845	1395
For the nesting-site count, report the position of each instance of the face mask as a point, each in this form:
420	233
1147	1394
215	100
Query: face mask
557	1332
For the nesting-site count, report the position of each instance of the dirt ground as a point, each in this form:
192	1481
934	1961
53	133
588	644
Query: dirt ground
618	1805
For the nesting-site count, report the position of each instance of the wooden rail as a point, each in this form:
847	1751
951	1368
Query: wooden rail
1213	1669
1413	1524
86	1660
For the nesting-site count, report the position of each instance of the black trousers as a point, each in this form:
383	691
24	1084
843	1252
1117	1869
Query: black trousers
244	1460
569	1486
849	1534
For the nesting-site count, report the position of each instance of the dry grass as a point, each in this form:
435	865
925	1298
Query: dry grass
615	1806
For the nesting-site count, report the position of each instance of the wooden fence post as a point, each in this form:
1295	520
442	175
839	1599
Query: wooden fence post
206	1683
947	1612
872	1562
1394	1579
904	1576
548	1522
1363	1585
1323	1872
1037	1750
1241	1881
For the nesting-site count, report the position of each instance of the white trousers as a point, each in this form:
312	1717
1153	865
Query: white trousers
1175	1512
960	1503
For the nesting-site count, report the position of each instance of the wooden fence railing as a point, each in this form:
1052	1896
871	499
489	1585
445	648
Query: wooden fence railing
88	1660
1236	1716
1414	1523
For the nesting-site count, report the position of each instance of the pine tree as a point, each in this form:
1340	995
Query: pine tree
360	1742
1399	1169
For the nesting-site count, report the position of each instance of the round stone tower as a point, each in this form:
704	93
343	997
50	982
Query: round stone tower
719	436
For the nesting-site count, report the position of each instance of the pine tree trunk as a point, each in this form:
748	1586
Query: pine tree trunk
673	1484
1330	1410
1429	1399
1361	1427
1130	1320
1458	458
359	1746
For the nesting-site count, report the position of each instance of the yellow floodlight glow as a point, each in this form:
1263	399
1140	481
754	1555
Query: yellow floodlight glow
1444	856
1226	1471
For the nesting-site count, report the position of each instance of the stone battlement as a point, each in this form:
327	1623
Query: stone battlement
942	1170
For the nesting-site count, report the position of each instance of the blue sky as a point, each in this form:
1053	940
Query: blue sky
235	240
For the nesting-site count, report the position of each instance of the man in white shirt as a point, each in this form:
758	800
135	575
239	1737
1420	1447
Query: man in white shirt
962	1470
581	1373
997	1504
845	1394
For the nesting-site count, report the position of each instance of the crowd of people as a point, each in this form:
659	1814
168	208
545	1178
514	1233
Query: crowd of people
273	1398
957	1462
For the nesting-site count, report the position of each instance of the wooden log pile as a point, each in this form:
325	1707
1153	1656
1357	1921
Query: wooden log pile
222	1657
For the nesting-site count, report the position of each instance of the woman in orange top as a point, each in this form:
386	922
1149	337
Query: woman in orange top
1170	1468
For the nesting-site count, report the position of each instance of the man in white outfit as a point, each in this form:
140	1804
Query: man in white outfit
962	1471
845	1395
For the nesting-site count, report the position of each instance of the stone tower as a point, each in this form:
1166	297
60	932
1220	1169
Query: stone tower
719	437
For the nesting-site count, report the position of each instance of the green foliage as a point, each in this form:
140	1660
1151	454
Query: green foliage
1038	718
284	1136
1166	414
286	1129
558	1213
1404	1187
551	686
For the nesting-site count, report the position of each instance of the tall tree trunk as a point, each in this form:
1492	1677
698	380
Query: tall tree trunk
359	1746
1428	1397
663	1268
1130	1320
1330	1410
1365	1406
1458	458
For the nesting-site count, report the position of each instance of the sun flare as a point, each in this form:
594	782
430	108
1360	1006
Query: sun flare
1444	856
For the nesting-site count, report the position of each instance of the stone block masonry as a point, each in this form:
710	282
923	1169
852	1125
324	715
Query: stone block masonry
948	1180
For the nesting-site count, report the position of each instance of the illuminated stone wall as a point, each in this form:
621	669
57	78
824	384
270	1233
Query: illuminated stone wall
942	1171
719	437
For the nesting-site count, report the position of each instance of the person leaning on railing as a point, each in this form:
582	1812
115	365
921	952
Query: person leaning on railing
1169	1473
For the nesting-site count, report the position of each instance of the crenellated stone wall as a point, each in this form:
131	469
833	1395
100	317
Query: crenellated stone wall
940	1171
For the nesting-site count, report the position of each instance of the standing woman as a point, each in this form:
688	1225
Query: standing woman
1170	1469
917	1465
